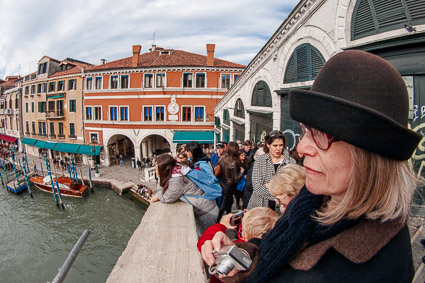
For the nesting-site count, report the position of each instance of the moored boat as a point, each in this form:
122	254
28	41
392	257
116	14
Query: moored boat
17	187
67	186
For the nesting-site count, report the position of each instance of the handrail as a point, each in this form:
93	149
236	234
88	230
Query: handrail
71	258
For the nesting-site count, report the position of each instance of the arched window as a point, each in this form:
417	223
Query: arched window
377	16
304	64
261	95
239	109
226	117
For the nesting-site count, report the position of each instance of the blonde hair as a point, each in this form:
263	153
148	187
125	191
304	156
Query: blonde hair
258	221
287	180
379	188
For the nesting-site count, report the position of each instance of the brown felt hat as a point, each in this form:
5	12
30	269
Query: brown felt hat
361	99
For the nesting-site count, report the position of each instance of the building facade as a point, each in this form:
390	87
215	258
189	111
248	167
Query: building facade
52	109
150	103
10	120
313	32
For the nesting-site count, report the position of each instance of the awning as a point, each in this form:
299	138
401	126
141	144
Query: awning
40	144
200	137
8	139
89	149
50	145
56	96
67	147
28	141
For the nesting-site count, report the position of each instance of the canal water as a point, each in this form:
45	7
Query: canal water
36	236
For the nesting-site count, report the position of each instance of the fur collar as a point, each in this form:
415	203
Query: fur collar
358	244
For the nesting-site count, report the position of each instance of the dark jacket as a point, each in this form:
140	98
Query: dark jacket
368	252
230	175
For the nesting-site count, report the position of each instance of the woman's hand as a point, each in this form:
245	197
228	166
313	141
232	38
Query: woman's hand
154	199
225	220
220	239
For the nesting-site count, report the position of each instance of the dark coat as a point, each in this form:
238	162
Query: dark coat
368	252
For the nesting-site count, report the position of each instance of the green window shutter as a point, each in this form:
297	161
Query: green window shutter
416	9
389	12
302	63
290	70
261	95
363	20
316	62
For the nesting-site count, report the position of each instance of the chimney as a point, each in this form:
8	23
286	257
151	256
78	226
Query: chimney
102	61
210	54
136	52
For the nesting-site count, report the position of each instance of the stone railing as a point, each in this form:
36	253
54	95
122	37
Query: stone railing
163	248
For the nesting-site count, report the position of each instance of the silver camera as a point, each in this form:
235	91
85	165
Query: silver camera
230	257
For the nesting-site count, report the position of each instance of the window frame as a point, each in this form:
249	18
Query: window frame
95	107
88	115
87	85
183	113
127	113
163	113
203	113
163	80
116	113
184	80
204	82
146	81
100	80
121	81
151	113
225	80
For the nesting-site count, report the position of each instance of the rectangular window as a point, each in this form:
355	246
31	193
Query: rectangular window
32	107
236	77
52	129
27	90
187	80
33	128
59	108
27	127
72	84
98	113
200	80
26	107
89	83
159	113
38	88
98	83
51	106
72	105
124	113
61	86
225	81
42	68
186	113
199	114
124	81
89	115
32	89
60	124
41	107
147	113
94	137
114	82
160	80
42	128
148	80
52	86
113	113
71	130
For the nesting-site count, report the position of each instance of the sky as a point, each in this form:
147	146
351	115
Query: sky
91	30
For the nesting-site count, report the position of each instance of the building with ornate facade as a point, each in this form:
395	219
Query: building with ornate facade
150	103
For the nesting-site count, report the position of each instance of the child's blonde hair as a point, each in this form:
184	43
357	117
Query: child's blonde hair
287	180
257	221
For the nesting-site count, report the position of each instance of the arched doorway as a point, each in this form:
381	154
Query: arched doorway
120	145
153	145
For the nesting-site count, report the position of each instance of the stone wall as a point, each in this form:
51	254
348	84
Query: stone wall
163	248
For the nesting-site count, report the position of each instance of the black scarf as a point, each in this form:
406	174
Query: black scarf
292	232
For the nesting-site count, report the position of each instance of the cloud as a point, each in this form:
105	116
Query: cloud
91	30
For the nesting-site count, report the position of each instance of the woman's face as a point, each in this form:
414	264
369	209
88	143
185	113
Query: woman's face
276	148
189	154
242	156
327	171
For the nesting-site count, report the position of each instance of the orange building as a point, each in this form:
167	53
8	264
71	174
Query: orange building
150	103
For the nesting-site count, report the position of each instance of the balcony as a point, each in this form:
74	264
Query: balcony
72	137
52	136
55	114
9	111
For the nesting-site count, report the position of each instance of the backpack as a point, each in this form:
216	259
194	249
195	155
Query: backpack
207	183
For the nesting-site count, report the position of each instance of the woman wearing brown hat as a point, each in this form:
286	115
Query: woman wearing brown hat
349	223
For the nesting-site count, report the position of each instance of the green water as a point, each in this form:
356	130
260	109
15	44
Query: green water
36	236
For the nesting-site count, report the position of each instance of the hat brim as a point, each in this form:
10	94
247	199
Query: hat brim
353	123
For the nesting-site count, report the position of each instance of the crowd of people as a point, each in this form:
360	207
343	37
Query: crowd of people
333	210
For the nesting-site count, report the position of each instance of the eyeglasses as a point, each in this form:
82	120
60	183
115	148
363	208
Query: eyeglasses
280	199
322	140
274	133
